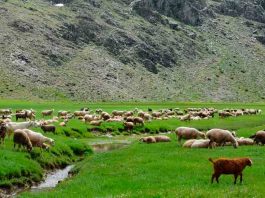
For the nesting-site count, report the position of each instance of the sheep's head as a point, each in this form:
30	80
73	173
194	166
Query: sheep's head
50	141
235	144
249	162
233	133
202	135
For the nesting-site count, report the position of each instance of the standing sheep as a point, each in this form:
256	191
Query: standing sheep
138	120
188	133
21	138
128	126
37	139
47	112
221	136
229	166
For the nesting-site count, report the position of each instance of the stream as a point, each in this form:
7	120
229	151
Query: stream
53	178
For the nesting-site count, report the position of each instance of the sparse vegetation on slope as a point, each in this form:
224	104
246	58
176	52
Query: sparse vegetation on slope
124	50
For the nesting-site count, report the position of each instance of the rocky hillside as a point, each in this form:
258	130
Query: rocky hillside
125	50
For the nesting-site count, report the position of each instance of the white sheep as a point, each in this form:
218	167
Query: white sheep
221	136
188	143
202	144
37	139
188	133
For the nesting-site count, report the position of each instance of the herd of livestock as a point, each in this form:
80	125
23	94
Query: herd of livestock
23	136
27	138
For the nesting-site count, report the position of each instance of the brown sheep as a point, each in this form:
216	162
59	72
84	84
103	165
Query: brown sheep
21	138
22	115
47	112
188	133
48	128
148	140
128	126
138	120
162	138
129	119
105	116
229	166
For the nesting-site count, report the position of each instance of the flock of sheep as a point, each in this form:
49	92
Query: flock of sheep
23	136
129	119
210	139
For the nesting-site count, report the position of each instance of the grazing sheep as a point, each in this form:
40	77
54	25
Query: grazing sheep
37	139
63	124
48	128
224	114
229	166
5	111
21	115
162	138
244	141
148	140
141	114
96	122
88	118
105	116
147	117
62	113
117	113
259	137
138	120
186	117
188	133
201	144
129	119
188	143
12	126
128	113
21	138
47	112
156	114
79	113
221	136
128	126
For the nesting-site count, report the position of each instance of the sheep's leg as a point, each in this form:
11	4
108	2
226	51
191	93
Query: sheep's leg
241	178
235	176
179	139
217	178
211	144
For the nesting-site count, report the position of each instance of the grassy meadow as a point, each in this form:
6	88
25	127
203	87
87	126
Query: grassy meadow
138	170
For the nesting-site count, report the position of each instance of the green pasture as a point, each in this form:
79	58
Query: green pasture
139	170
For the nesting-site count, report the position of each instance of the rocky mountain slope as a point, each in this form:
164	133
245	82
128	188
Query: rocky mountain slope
125	50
